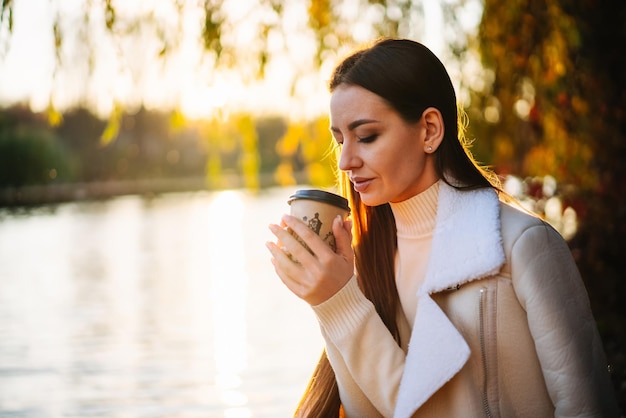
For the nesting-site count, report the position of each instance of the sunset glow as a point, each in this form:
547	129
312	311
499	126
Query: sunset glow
127	70
153	56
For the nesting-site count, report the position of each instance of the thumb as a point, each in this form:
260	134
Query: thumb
342	230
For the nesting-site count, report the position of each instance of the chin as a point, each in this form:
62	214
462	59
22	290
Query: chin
372	200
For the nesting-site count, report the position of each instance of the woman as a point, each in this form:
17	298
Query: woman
442	300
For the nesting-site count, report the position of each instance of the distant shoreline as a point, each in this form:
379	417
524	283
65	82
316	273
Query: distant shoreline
34	195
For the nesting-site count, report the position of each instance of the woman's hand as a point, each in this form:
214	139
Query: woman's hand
318	276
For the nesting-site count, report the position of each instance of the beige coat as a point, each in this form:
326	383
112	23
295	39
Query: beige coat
503	327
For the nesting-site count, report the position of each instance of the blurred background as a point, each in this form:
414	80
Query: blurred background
146	145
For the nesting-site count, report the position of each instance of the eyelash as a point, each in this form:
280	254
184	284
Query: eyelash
368	139
365	140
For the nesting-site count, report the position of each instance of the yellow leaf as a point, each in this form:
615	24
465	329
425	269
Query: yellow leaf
112	130
55	118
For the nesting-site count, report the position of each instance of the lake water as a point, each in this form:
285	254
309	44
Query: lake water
161	307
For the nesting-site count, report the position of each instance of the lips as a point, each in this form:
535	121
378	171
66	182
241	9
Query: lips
360	184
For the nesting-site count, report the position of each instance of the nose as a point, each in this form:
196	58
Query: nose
349	159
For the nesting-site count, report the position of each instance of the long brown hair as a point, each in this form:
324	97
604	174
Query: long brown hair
410	78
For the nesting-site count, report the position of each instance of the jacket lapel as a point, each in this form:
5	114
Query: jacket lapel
466	245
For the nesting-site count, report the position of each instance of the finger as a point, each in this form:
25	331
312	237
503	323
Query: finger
285	267
343	237
310	238
272	228
282	265
292	243
347	224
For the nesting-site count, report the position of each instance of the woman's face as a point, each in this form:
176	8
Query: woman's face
385	157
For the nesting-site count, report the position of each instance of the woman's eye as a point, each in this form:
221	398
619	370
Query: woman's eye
367	139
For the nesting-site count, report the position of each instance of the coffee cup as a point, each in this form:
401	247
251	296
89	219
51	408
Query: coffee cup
318	209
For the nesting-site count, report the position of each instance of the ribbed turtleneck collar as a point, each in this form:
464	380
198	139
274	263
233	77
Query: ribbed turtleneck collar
416	216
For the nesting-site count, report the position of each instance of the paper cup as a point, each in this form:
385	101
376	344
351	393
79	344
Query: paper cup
318	209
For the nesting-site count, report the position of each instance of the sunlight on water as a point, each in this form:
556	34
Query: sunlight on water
228	282
162	307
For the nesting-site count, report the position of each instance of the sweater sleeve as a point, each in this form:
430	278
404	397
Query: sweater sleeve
367	361
549	287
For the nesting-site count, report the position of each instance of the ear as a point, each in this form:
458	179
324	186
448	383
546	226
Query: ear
435	129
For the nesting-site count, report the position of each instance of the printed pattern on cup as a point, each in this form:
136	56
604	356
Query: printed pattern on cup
315	224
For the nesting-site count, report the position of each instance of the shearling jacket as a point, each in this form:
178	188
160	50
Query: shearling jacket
503	326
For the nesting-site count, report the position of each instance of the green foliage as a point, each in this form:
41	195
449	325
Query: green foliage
6	12
32	157
270	131
238	150
335	26
212	30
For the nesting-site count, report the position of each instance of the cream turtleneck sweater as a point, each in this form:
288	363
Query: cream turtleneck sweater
349	322
415	221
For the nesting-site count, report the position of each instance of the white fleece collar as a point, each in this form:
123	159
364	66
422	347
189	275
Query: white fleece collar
466	245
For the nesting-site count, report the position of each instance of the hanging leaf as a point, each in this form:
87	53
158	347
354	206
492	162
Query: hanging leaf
54	117
112	129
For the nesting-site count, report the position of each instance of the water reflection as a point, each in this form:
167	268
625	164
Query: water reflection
228	279
165	307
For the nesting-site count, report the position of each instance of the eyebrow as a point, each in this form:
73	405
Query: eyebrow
353	125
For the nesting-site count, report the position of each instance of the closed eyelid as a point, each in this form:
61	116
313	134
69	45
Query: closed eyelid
366	138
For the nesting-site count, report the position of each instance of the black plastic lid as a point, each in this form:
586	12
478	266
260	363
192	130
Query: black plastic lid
321	196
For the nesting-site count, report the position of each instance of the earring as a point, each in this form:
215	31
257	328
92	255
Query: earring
430	149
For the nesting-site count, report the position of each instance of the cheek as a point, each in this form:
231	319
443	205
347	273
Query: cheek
407	156
408	166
